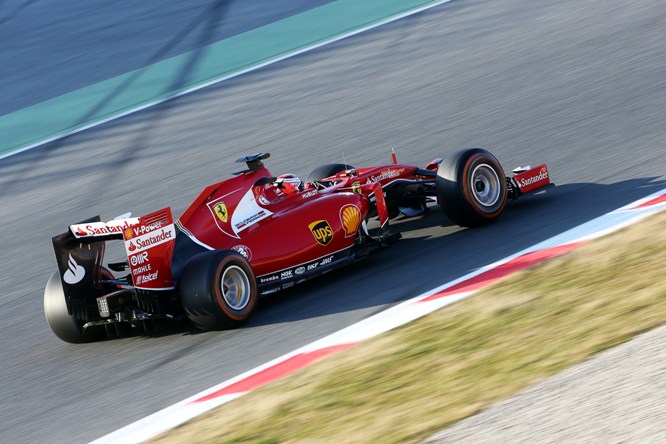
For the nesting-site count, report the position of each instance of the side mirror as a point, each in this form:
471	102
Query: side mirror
253	161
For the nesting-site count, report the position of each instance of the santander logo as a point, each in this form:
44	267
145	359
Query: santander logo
530	180
74	273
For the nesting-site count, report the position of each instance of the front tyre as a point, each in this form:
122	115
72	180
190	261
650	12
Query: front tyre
63	324
218	290
471	187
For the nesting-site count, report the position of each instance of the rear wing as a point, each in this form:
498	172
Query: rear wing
112	229
149	244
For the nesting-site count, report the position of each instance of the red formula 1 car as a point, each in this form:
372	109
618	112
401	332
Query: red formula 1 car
255	234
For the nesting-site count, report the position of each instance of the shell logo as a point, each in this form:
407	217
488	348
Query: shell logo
350	217
128	233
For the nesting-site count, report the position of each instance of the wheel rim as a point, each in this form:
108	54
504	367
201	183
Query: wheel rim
235	287
486	187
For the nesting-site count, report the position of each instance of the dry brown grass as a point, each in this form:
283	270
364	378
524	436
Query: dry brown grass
417	379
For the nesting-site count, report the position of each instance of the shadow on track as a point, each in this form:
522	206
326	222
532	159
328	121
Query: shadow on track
437	252
207	21
15	11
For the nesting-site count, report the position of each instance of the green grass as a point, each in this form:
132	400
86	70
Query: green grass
415	380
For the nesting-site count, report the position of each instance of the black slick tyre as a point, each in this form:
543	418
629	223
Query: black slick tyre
471	187
218	290
63	324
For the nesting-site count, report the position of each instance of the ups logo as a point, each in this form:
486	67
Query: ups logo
322	232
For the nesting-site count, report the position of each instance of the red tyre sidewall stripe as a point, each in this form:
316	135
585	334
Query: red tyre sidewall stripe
218	292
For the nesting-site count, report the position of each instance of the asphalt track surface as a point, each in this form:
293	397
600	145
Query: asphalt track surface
579	85
49	48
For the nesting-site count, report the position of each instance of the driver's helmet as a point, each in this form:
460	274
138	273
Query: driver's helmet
289	183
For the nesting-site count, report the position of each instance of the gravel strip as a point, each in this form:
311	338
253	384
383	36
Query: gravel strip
617	396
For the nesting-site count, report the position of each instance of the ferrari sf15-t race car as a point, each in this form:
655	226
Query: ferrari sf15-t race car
254	234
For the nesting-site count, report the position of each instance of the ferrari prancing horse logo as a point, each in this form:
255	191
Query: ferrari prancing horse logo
221	212
322	231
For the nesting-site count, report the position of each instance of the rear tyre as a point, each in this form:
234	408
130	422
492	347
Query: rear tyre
328	170
471	187
64	325
218	290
